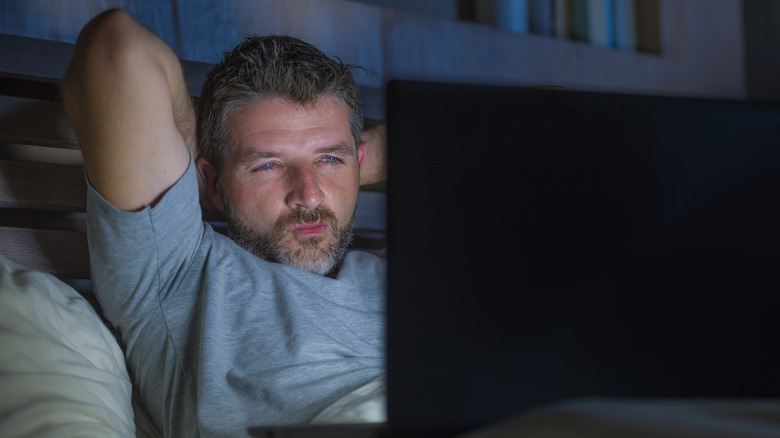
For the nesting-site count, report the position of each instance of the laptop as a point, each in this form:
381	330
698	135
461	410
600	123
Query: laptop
548	245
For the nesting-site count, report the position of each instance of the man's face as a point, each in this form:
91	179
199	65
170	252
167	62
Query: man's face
290	181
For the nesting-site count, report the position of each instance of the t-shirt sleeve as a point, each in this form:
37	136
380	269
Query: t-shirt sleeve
138	257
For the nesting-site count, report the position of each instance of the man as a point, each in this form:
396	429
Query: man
223	335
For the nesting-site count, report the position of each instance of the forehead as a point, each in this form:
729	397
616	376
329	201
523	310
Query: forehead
280	121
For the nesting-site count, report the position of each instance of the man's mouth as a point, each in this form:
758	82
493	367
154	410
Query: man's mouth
308	230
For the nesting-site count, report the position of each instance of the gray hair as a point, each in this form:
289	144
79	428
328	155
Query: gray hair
265	67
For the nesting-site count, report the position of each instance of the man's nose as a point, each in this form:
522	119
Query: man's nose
305	192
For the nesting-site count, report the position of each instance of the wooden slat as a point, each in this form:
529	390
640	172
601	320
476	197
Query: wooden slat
41	154
42	186
35	122
41	89
43	219
62	253
33	57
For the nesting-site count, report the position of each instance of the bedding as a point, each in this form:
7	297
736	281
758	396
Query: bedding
62	373
366	404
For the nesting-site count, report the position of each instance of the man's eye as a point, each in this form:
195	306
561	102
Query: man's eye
266	166
331	160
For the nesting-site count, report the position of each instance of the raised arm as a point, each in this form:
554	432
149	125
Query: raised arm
128	103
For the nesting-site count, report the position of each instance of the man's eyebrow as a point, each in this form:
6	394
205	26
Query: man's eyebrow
256	155
339	149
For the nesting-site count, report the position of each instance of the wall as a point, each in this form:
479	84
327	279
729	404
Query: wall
762	49
702	42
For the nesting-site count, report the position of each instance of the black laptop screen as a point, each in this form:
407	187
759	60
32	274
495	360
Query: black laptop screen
546	245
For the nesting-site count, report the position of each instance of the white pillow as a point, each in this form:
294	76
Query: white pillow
62	373
366	404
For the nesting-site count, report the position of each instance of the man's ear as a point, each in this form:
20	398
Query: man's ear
374	162
361	153
212	198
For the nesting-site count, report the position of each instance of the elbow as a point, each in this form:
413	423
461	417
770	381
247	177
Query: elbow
109	40
105	31
111	43
106	28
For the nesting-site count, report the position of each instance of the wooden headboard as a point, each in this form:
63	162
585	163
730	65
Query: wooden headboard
42	182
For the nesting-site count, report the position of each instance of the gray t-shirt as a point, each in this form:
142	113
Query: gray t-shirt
218	340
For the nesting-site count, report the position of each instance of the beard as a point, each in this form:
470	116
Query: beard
318	255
